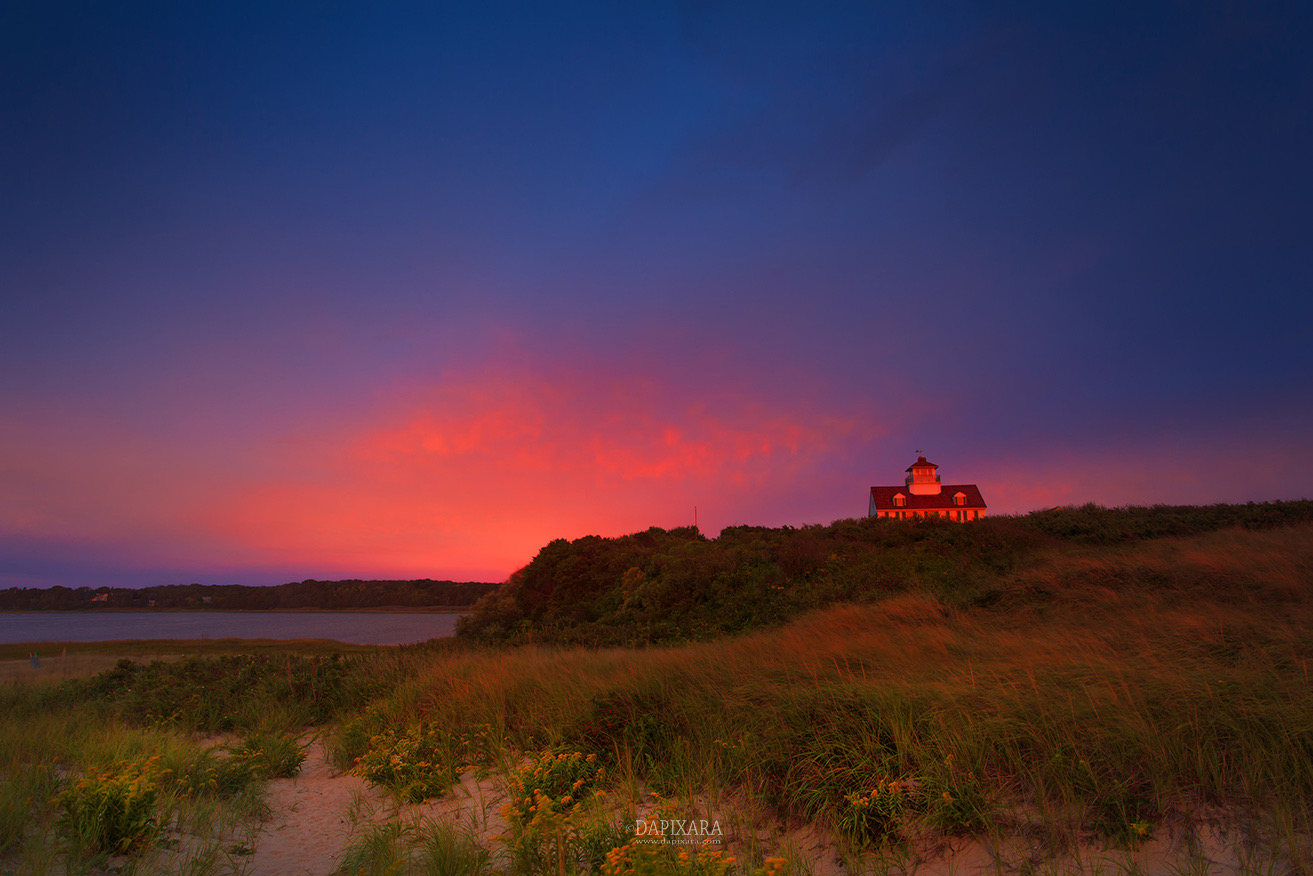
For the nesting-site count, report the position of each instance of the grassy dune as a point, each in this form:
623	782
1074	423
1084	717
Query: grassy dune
1109	693
1144	694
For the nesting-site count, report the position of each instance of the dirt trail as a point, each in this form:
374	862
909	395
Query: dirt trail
315	813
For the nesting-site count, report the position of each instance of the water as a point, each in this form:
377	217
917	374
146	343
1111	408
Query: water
355	627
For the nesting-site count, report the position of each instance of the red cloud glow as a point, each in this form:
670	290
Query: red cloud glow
482	473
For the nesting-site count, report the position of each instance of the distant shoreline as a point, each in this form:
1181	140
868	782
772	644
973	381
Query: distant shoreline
418	595
382	609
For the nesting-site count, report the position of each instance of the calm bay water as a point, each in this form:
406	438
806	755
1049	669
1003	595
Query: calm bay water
361	628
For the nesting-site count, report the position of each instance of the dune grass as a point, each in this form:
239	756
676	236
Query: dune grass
1105	697
102	774
1108	694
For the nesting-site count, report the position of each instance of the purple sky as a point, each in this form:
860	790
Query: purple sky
292	291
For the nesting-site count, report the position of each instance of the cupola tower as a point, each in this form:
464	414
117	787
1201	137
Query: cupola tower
922	479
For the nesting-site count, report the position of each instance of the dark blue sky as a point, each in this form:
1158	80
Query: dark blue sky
315	291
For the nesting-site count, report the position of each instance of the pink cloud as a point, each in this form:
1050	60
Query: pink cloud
483	471
469	474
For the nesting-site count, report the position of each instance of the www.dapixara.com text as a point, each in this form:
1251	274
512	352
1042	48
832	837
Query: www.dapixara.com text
677	831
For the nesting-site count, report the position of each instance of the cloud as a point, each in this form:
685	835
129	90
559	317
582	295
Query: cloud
481	472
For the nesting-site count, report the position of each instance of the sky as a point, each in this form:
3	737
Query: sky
320	290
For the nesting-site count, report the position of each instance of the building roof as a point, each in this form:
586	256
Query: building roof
920	460
883	498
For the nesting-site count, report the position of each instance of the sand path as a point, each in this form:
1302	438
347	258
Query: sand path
315	814
311	822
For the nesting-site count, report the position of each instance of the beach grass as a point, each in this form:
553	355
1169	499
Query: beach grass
1109	694
1106	700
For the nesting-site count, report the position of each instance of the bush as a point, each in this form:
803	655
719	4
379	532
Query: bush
269	756
110	812
219	694
416	764
555	782
545	834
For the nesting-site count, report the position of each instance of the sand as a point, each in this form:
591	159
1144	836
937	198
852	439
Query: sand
311	822
314	816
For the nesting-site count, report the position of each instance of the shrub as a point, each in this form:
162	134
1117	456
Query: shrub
874	816
221	693
416	764
556	781
952	798
111	812
269	755
545	834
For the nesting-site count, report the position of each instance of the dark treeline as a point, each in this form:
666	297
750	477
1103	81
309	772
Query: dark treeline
678	585
309	594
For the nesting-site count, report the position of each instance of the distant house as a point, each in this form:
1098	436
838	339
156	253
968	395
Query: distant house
923	495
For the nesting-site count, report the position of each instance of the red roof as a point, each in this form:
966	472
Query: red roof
920	460
883	498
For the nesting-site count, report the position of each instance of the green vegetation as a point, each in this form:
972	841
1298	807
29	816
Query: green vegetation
553	818
677	585
110	812
1062	689
95	654
425	848
415	763
123	763
1106	694
211	695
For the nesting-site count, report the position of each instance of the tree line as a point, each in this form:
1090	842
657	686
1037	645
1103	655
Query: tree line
421	593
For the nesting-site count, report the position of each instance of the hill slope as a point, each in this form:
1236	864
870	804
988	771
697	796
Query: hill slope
672	585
